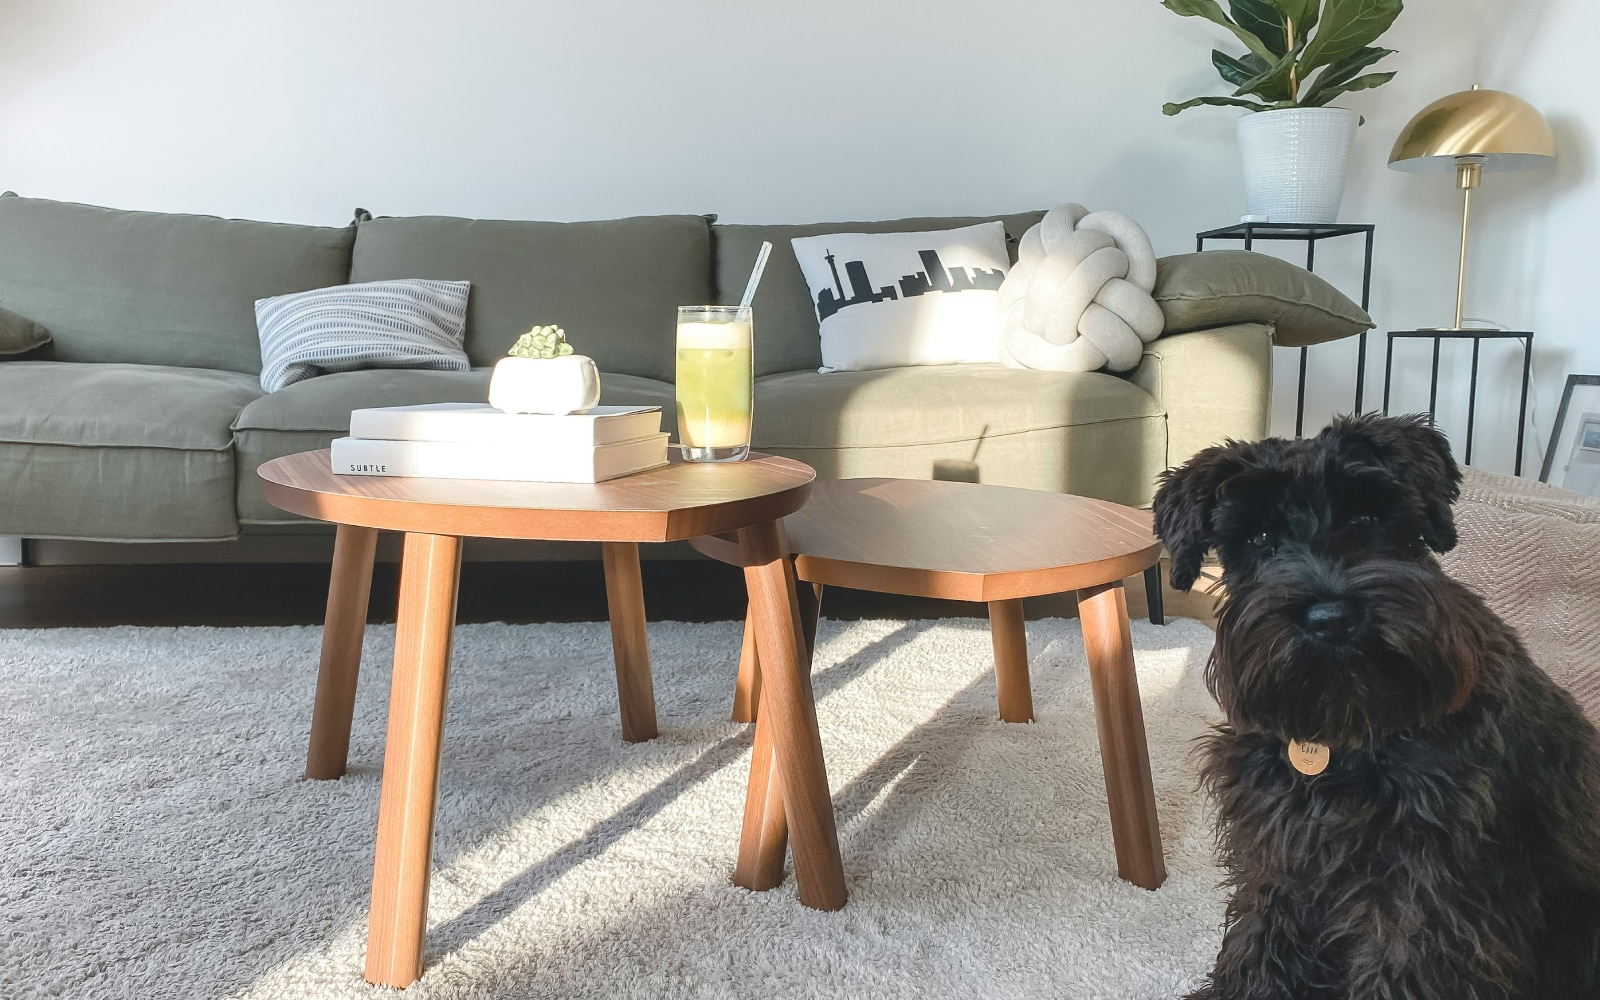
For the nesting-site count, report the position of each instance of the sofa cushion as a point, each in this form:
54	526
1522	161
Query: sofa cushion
613	286
1074	432
156	289
786	333
118	451
1197	291
309	415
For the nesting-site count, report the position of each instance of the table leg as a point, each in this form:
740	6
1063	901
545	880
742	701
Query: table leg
344	625
429	578
629	643
1155	600
1124	755
747	690
789	713
763	839
1010	637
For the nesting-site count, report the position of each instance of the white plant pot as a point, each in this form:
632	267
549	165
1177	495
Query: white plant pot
544	385
1294	162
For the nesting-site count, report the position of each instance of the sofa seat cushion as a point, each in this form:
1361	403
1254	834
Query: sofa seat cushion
115	451
309	415
1074	432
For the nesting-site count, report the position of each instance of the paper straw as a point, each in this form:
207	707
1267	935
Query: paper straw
755	276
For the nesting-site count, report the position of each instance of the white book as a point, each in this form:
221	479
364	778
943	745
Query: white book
483	423
526	462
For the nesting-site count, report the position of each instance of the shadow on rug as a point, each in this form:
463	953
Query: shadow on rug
160	842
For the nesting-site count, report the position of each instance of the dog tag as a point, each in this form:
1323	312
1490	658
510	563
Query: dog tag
1308	758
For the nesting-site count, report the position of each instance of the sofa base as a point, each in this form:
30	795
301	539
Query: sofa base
302	546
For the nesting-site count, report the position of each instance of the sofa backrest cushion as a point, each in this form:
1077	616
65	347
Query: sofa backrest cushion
152	288
614	287
787	337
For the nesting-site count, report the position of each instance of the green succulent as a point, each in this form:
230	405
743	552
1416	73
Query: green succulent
1288	42
541	342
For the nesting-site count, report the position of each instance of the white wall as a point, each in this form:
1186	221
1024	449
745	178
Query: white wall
298	110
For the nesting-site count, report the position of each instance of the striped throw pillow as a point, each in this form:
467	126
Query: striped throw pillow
408	323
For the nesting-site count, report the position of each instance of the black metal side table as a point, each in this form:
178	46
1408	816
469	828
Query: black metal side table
1249	232
1477	337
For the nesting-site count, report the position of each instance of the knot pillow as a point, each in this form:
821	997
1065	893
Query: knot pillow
1078	298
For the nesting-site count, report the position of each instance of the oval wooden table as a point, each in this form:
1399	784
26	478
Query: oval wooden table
680	501
971	542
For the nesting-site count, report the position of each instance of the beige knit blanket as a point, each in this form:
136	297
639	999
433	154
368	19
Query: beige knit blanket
1533	552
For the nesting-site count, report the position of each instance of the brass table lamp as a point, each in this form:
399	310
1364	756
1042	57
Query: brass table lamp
1469	133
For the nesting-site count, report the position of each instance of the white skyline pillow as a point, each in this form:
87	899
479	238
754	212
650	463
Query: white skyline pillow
888	300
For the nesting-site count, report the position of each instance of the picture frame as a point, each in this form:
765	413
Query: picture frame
1572	461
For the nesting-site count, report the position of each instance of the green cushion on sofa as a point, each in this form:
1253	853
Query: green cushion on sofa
787	338
1074	432
1221	287
19	334
119	452
613	286
308	415
156	289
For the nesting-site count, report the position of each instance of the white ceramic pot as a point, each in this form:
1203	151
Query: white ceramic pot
1294	162
544	385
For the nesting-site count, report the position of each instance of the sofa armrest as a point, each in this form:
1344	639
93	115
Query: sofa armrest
1214	384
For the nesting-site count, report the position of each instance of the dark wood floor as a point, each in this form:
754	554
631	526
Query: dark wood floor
294	594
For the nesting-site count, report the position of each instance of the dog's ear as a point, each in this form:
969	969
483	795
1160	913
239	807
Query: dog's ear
1418	455
1184	503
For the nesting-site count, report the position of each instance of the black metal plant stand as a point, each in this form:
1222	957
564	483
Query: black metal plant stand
1477	337
1249	232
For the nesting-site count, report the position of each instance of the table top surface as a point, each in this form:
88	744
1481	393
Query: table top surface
678	501
962	541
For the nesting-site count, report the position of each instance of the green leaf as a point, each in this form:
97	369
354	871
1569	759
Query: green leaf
1216	102
1326	94
1263	20
1272	83
1341	72
1347	27
1303	13
1212	11
1237	71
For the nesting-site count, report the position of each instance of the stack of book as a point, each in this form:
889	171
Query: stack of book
477	441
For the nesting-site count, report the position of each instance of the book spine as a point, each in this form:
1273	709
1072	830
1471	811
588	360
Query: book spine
457	460
502	429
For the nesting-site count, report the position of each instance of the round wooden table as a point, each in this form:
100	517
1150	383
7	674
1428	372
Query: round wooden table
680	501
971	542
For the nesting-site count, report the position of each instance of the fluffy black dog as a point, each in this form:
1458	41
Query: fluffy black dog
1408	807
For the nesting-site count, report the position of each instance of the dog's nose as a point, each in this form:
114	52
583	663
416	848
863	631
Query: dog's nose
1325	617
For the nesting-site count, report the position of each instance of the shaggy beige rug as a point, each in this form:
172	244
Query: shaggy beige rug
1533	552
159	843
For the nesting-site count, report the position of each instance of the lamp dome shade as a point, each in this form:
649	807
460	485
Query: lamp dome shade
1501	131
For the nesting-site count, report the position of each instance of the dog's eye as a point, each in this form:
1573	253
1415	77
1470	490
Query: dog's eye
1261	541
1364	522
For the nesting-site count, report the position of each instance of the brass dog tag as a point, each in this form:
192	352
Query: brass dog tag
1308	758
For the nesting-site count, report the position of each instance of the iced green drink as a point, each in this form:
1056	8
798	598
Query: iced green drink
716	376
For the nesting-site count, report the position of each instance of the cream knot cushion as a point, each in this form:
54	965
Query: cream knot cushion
1078	299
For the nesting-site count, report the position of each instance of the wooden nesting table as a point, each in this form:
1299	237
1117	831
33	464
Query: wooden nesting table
677	502
970	542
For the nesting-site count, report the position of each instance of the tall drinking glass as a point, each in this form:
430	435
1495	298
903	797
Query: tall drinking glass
716	382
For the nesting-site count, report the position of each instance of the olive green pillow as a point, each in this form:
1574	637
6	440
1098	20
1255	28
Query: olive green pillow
1197	291
19	335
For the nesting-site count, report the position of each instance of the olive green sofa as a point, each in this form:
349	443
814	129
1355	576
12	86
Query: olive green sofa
142	420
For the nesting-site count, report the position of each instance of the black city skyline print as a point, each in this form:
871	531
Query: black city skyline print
934	277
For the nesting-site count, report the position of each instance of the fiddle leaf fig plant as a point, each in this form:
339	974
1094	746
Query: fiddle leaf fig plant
1301	53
